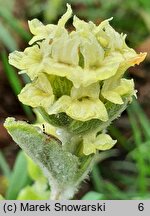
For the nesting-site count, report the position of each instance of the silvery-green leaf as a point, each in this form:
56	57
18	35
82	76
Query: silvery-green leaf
60	166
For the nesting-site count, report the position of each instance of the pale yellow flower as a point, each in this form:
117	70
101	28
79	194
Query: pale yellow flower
115	87
31	61
39	93
83	104
67	45
92	58
113	90
50	31
80	76
95	54
92	143
86	55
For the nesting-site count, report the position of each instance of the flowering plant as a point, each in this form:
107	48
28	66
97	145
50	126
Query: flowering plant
77	86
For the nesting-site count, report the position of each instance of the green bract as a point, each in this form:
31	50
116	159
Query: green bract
77	85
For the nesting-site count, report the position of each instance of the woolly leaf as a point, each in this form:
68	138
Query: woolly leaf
59	166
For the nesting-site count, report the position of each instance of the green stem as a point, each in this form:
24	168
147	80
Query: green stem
69	191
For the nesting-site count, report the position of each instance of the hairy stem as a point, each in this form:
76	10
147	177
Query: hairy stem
68	192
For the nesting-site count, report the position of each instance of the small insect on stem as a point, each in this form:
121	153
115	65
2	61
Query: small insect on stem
43	128
26	121
51	136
